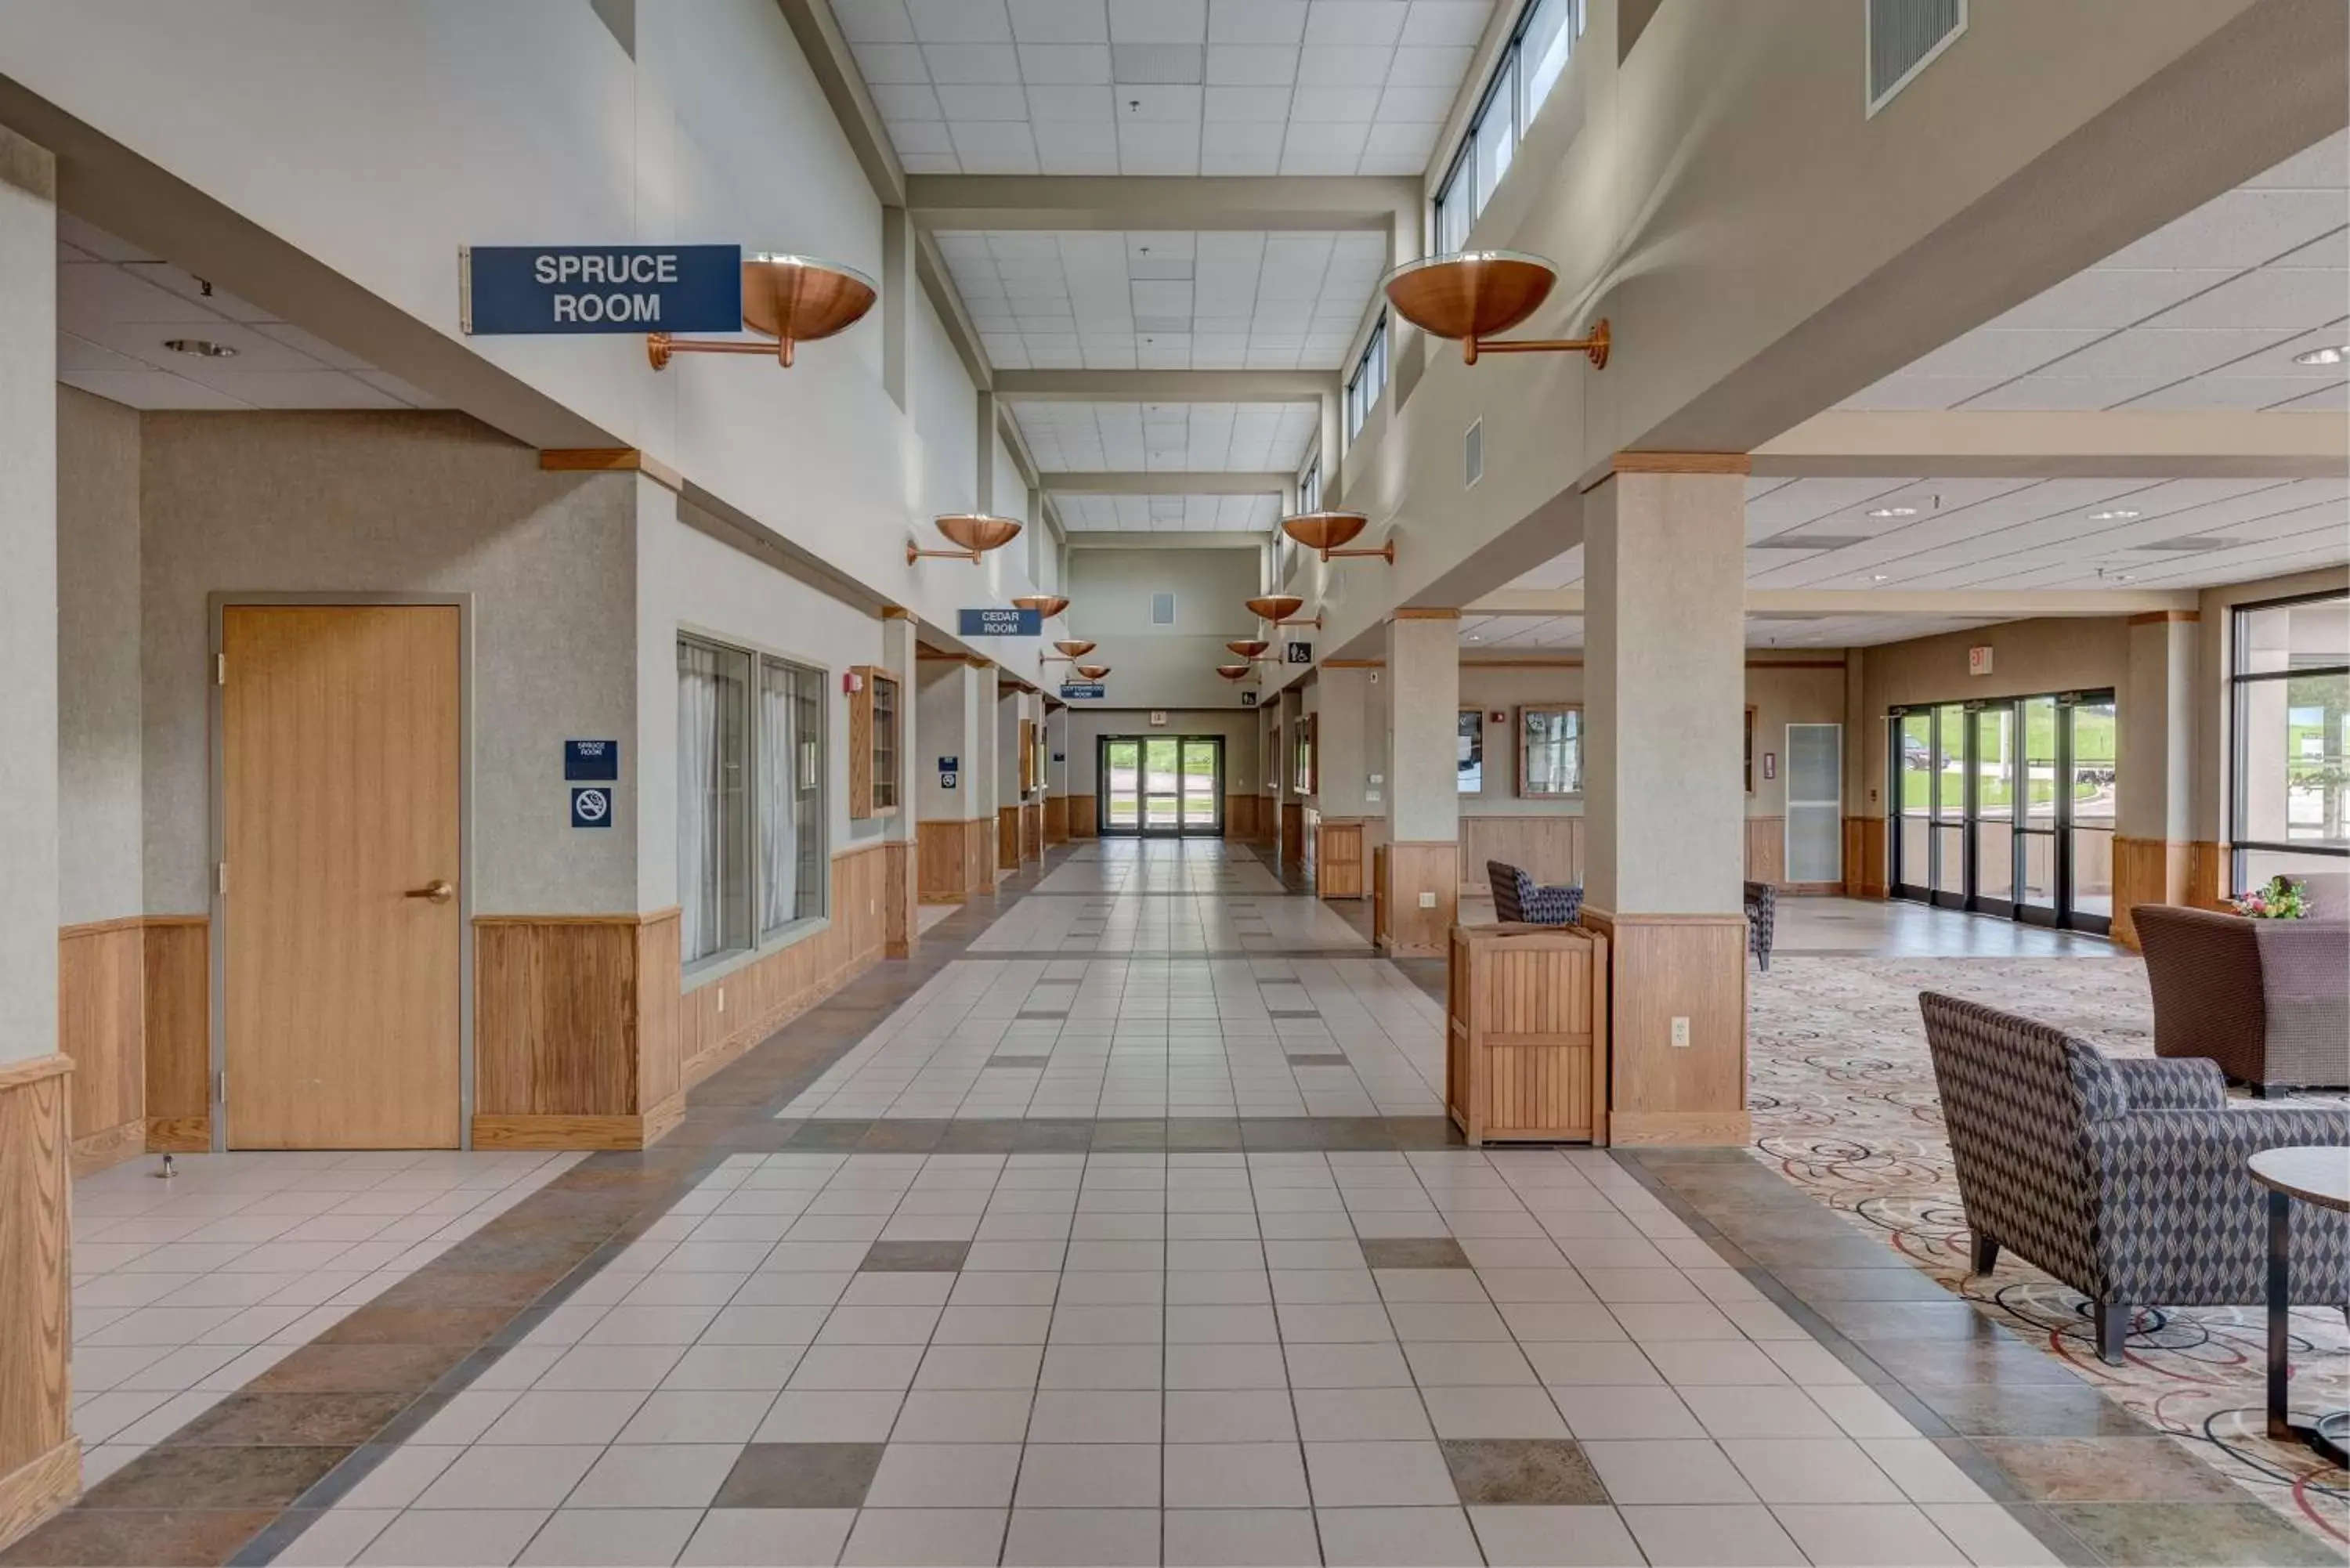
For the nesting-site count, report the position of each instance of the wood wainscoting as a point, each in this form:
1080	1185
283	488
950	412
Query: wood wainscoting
134	1016
1056	819
1414	869
1866	858
958	859
1664	966
2148	871
575	1030
1239	817
40	1459
1032	830
1548	848
1766	850
1007	839
1082	824
1338	858
2209	873
900	892
1293	836
764	996
1268	820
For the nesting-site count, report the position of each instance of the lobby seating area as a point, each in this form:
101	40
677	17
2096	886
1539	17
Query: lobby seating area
2267	1001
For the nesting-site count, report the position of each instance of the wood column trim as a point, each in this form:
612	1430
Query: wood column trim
609	460
40	1459
1736	462
1419	612
2155	617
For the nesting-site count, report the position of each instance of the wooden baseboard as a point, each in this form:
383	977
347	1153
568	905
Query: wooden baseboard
944	898
32	1491
179	1135
108	1146
1700	1128
562	1132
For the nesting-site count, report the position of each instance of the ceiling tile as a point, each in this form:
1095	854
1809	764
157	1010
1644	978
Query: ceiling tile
1158	21
1057	64
960	21
1251	65
993	101
1445	22
973	62
1060	21
1343	65
1068	103
1256	21
1378	22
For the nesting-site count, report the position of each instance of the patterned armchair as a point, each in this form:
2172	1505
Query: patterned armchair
1516	898
2268	1000
1762	914
2124	1178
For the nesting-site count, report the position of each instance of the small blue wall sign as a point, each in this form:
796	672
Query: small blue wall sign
591	807
948	768
523	289
591	760
1079	691
1001	623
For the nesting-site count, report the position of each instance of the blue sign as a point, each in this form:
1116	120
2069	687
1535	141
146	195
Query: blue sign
1079	690
1001	623
591	759
949	764
591	807
510	289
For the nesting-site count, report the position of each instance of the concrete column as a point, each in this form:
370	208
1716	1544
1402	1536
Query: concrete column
1664	697
40	1457
899	835
2154	830
1423	782
1342	863
1866	854
985	489
986	743
1290	808
1057	775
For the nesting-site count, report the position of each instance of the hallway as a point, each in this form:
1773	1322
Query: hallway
1109	1259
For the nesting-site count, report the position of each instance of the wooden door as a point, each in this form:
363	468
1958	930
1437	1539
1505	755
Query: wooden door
339	764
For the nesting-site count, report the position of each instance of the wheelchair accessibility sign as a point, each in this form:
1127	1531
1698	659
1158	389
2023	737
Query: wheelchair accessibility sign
591	808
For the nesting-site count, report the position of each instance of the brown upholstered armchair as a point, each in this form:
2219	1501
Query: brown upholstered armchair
2268	1000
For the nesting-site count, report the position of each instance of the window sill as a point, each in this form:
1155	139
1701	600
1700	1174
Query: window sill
718	966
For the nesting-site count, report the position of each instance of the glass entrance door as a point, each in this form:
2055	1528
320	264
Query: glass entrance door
2006	807
1160	785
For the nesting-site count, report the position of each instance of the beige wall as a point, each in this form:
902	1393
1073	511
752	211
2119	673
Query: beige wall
1110	592
2028	658
99	875
414	503
1780	696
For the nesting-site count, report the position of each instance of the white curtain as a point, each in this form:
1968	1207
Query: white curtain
778	792
700	883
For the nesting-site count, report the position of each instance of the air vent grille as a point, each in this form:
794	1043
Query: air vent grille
1904	37
1163	609
1808	542
1473	454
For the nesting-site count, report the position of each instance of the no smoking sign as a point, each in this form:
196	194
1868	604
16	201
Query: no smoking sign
591	808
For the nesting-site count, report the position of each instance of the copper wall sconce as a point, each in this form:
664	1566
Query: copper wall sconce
1472	295
971	533
1093	671
791	299
1047	605
1252	647
1326	531
1281	610
1234	673
1071	651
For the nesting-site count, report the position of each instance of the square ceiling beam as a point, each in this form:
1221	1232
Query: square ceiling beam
1165	386
2120	443
1154	204
1171	481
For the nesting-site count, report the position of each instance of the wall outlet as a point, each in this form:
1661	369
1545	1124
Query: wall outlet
1680	1032
722	999
1371	796
1428	901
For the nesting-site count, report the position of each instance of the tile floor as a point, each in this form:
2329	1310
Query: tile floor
1147	1037
185	1290
1446	1357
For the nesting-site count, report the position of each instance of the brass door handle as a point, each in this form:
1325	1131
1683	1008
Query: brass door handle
439	892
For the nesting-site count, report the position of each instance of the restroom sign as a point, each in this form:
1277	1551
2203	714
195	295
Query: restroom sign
527	289
591	807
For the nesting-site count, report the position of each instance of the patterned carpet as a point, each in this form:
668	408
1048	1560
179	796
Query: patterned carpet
1845	1107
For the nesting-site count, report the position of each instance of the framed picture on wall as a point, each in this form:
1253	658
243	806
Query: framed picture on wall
1549	750
1471	750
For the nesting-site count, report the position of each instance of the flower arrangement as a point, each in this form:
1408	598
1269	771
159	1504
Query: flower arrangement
2280	900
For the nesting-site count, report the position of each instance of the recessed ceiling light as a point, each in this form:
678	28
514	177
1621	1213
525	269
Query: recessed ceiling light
1879	576
2324	356
1895	512
2119	514
203	348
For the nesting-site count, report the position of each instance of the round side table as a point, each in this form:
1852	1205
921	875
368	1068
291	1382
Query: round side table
2310	1174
